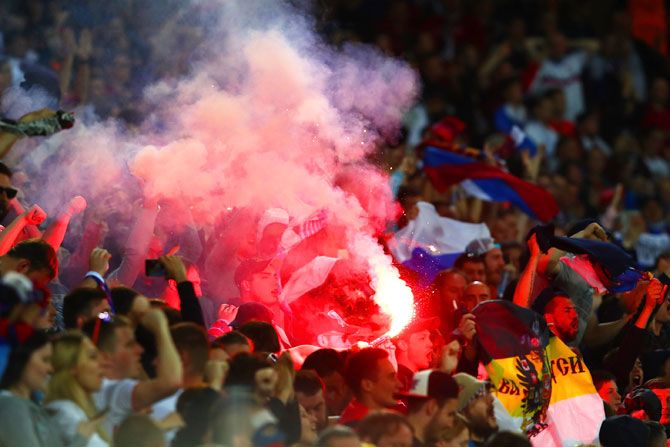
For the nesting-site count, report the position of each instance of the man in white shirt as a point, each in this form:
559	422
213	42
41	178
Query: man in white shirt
122	391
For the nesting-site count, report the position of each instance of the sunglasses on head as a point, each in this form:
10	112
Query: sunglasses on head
8	191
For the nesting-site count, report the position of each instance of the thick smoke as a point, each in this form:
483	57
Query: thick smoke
269	117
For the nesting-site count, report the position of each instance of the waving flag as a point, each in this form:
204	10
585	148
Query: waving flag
446	168
544	386
603	265
431	243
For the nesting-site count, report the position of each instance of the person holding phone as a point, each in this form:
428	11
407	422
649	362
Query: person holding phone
77	375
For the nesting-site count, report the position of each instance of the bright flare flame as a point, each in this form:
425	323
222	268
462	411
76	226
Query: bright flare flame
394	298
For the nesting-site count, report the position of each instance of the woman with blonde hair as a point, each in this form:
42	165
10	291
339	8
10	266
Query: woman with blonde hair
77	375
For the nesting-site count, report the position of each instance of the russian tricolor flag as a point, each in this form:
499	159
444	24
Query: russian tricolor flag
431	243
490	183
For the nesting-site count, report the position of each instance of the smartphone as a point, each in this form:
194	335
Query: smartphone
153	268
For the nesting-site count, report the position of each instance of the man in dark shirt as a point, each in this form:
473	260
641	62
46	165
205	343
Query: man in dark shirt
414	349
432	402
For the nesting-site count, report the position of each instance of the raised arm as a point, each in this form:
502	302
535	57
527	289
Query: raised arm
136	246
55	232
168	368
524	288
34	216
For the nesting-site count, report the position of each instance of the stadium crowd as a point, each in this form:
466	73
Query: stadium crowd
529	337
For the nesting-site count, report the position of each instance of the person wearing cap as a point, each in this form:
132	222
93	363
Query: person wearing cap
475	404
431	404
372	379
623	431
490	252
271	227
414	349
258	281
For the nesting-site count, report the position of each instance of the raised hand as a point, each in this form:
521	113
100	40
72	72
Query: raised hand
35	215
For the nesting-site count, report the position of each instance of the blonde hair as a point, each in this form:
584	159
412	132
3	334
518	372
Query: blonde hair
67	354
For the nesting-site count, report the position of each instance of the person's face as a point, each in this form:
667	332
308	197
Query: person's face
420	349
126	356
609	393
387	384
264	286
564	318
338	393
444	418
5	182
271	238
494	263
307	427
480	414
557	46
452	288
36	374
474	271
475	293
315	406
88	372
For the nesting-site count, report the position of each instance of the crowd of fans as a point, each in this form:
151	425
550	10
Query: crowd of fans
96	351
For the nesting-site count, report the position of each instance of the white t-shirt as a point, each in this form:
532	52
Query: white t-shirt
162	409
68	415
117	396
566	75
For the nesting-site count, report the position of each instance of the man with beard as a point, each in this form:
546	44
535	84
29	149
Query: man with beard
431	404
7	192
559	312
475	404
490	252
414	349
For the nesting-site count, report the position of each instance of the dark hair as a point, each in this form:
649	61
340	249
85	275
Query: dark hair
465	258
325	362
507	439
335	432
377	425
600	377
229	339
363	365
4	169
138	430
19	357
663	256
441	278
657	435
79	303
191	406
263	336
40	255
249	267
243	368
307	382
123	298
192	339
173	315
106	331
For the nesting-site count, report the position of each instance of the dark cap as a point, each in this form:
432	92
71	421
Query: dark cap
643	399
432	384
623	431
545	298
251	312
249	267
